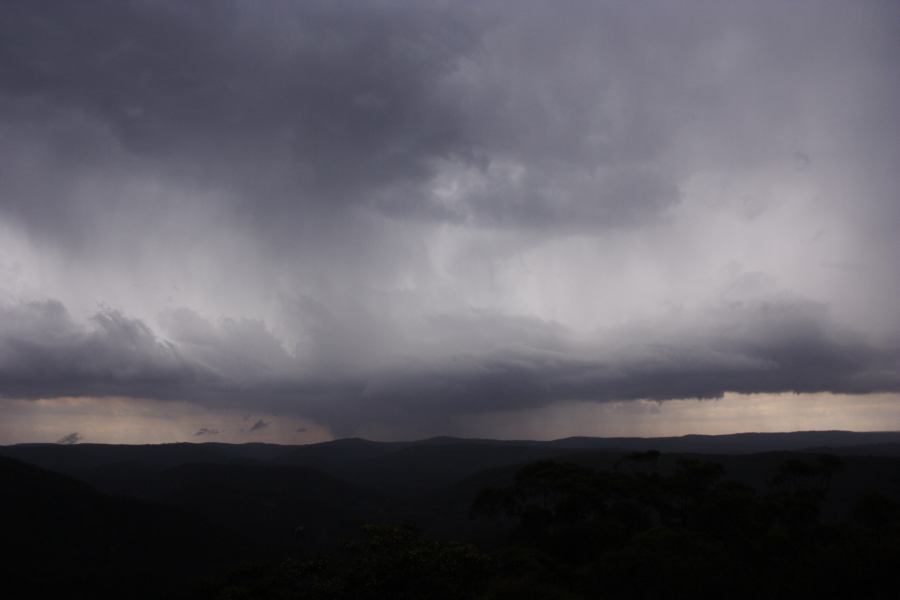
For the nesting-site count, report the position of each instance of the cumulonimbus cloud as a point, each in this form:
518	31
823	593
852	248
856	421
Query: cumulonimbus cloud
407	211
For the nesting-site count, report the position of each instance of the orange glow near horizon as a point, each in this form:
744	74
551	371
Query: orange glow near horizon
734	413
134	421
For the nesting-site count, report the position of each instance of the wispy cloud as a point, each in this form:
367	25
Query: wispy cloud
257	426
207	431
71	438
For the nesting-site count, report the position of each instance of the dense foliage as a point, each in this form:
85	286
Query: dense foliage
631	532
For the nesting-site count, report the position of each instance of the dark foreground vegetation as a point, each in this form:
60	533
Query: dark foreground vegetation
490	520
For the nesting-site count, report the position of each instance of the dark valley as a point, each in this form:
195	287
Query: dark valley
750	515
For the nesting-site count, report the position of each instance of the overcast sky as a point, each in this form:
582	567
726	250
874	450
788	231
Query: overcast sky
307	219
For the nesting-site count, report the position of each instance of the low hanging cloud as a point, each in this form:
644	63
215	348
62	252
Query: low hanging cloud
207	431
45	353
69	439
258	425
486	363
404	212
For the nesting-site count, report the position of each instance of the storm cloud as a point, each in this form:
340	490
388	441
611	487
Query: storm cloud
399	212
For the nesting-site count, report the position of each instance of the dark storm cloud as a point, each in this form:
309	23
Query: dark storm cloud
44	353
311	106
789	345
785	346
405	211
298	103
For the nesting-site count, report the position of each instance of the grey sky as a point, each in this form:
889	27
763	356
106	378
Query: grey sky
404	213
